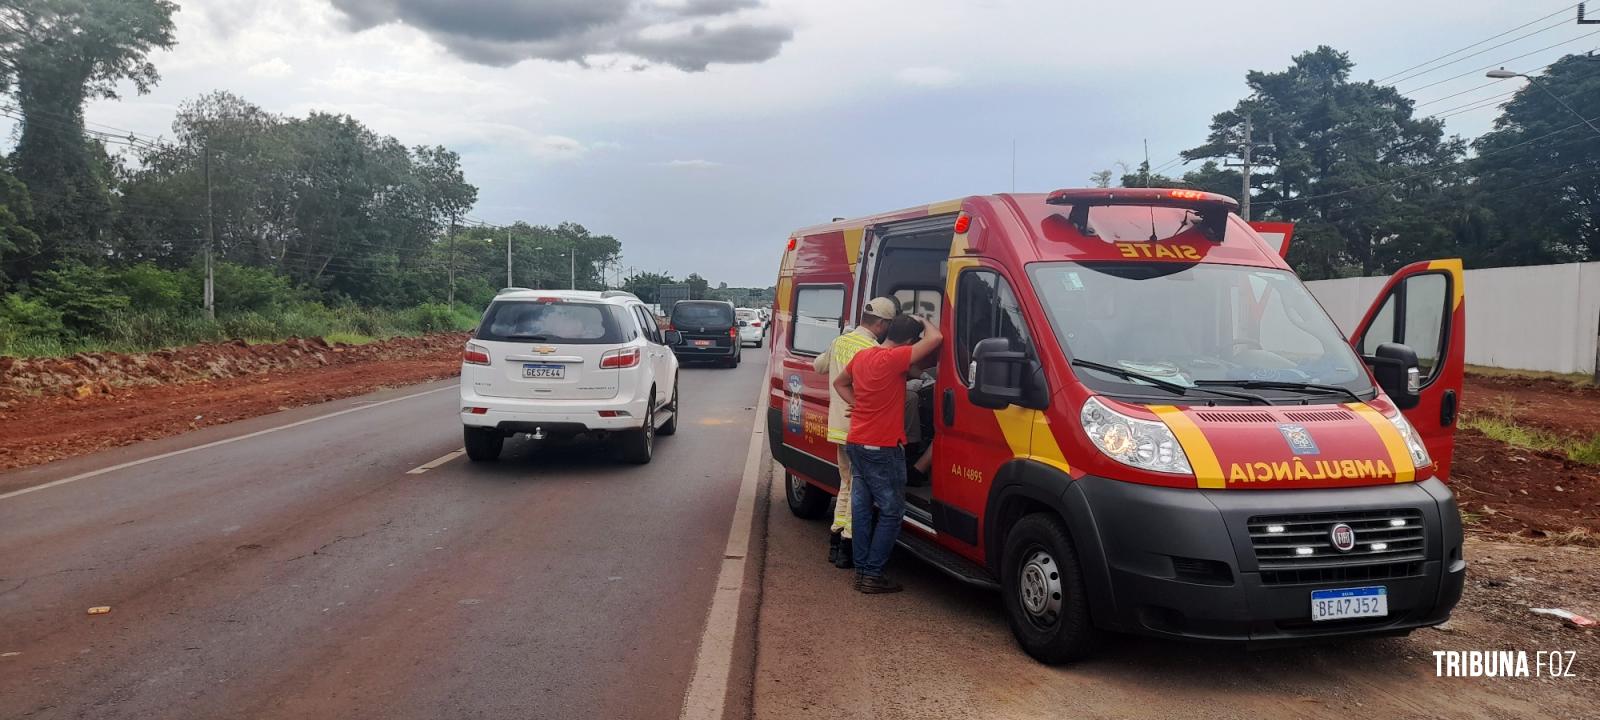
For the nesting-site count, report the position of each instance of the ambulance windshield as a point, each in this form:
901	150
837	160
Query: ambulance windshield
1195	324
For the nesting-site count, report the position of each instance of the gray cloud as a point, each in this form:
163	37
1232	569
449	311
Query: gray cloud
688	35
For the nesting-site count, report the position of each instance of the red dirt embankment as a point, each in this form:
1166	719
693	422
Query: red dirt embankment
54	408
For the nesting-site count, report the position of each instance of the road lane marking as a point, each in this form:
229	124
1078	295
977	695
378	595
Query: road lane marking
215	443
713	662
436	462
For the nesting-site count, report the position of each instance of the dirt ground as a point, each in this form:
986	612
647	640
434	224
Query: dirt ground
943	650
1549	404
61	407
1529	494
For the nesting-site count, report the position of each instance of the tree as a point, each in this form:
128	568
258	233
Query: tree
1101	179
698	287
647	285
1539	171
55	55
1351	165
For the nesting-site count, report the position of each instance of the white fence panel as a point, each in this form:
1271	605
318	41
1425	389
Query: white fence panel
1541	317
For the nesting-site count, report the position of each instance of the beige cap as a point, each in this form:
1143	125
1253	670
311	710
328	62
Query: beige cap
883	308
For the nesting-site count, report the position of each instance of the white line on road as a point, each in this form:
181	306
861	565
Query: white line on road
224	441
708	688
436	462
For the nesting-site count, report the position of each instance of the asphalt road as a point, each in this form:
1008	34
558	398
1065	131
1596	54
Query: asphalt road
304	572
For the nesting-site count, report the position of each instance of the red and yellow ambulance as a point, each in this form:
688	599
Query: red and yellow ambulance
1141	420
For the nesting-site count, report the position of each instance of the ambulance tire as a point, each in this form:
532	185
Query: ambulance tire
806	501
1046	603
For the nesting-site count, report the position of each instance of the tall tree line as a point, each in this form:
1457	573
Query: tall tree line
1372	186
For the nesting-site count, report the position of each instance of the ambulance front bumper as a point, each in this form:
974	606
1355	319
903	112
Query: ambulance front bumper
1233	565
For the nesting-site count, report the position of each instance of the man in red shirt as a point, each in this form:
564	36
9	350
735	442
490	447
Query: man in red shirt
874	386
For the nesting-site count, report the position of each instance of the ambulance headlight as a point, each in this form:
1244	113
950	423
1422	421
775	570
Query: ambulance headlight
1414	444
1143	444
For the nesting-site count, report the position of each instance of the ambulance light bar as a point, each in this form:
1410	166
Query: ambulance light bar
1164	197
1212	208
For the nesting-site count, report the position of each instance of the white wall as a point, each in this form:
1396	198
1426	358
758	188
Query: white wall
1542	317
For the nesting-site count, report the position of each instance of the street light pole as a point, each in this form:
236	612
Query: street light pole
508	259
572	262
1503	73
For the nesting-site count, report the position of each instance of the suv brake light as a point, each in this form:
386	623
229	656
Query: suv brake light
733	332
623	358
475	354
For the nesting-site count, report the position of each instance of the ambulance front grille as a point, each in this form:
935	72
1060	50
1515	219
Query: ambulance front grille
1235	417
1295	549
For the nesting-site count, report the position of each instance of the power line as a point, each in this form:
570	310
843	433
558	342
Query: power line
1561	23
1502	63
1382	80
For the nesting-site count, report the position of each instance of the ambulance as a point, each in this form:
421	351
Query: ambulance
1141	421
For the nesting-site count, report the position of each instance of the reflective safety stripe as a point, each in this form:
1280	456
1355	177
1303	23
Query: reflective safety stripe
1399	455
1202	459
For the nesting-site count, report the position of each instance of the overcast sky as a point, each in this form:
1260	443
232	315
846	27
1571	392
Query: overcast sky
700	132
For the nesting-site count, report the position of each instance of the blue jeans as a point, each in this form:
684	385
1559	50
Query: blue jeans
878	477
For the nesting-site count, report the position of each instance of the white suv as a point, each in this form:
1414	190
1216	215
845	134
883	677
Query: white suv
565	362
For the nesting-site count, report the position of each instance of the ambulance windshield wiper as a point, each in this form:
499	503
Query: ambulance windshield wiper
1168	385
1283	385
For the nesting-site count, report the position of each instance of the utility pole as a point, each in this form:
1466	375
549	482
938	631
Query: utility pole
450	265
210	285
508	259
1246	164
572	262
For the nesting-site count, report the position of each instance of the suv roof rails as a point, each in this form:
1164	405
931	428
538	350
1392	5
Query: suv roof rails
505	290
618	293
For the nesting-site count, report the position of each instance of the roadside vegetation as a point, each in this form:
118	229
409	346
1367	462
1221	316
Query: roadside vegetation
1499	423
81	308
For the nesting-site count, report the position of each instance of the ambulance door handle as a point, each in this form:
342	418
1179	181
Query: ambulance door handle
949	409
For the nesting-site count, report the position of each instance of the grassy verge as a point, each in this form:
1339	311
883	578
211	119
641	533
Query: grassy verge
1509	432
136	331
1583	379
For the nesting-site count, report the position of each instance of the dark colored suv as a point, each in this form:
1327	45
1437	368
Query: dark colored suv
709	329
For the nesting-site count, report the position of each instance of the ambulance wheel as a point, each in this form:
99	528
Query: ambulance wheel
483	444
1046	604
805	500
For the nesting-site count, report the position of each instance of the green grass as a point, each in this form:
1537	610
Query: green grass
135	331
348	338
1509	432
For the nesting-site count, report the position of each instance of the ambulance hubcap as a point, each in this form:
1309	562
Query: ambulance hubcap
1040	581
797	489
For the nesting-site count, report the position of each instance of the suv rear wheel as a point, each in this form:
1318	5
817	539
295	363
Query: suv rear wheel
483	444
637	446
1046	603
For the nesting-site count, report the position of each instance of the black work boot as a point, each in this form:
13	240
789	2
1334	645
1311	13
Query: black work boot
846	559
834	539
876	585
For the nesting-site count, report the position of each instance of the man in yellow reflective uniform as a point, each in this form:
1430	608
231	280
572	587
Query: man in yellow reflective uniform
875	319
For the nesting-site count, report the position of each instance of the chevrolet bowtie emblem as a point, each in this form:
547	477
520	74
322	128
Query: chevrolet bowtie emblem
544	349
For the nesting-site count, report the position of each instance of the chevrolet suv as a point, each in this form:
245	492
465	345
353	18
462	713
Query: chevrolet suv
569	362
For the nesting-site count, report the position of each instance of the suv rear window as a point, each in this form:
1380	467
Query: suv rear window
693	314
551	322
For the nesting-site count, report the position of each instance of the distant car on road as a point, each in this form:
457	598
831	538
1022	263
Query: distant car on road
752	328
709	330
569	362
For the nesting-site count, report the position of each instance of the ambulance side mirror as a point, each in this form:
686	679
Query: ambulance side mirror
1003	376
1395	367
